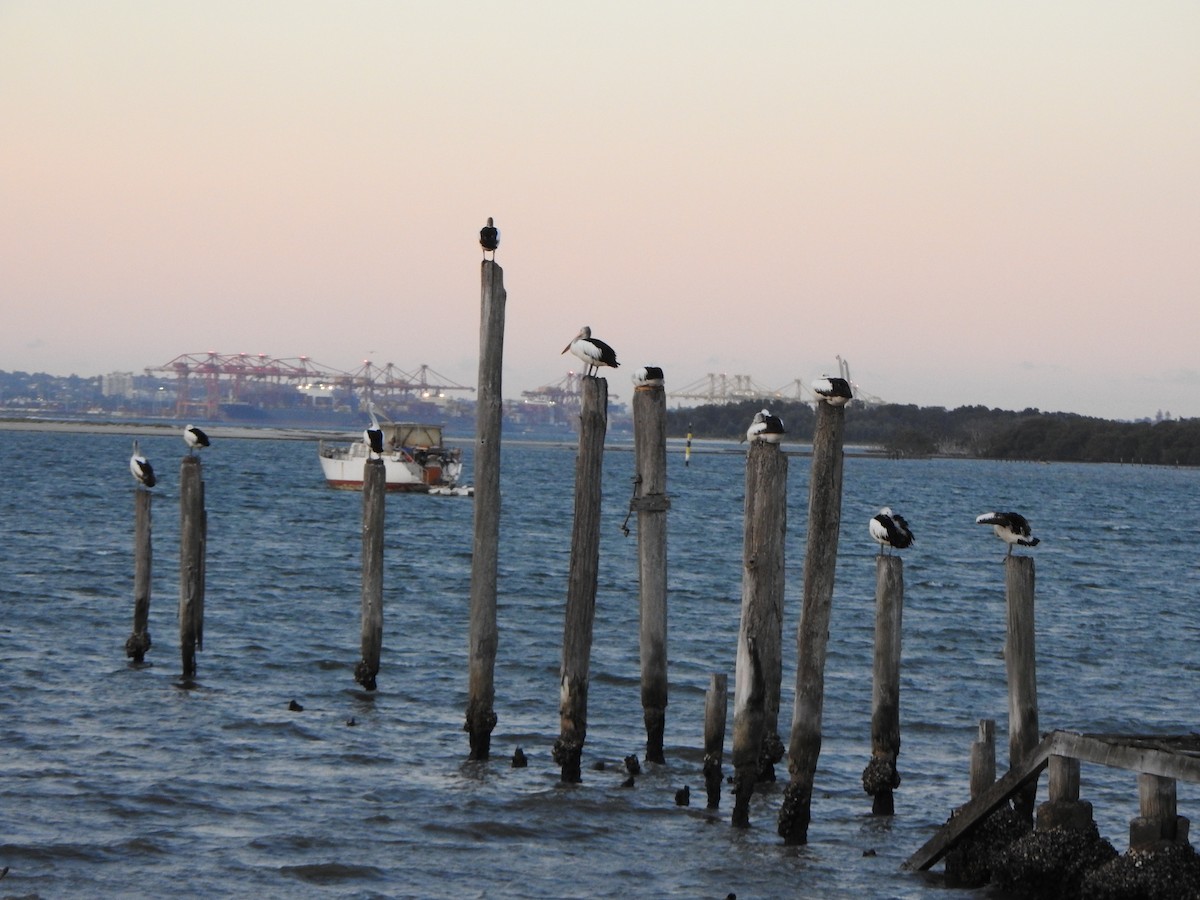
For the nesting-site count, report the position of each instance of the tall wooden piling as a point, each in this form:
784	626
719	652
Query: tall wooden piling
824	522
651	503
193	539
483	637
760	634
139	640
881	776
716	710
1020	660
374	492
582	579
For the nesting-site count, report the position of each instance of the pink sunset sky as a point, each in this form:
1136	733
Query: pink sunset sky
983	202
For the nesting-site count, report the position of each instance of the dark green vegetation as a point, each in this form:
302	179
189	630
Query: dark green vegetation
971	431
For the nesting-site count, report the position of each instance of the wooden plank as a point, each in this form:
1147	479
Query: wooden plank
1121	756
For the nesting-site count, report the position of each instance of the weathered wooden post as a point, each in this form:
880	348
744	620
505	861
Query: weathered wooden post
1021	664
483	636
581	583
193	529
1063	808
651	503
824	522
880	777
1158	819
374	492
139	640
716	710
760	635
983	758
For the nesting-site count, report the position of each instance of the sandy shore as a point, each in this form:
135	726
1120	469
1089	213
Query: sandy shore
143	429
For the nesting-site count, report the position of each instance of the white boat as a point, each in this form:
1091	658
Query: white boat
414	459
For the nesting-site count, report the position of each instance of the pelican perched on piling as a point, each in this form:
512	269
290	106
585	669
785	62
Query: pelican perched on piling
764	427
890	529
195	438
1010	527
833	390
648	376
489	238
373	437
593	351
141	468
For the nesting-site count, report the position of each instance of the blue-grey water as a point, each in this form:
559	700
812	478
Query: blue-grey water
118	780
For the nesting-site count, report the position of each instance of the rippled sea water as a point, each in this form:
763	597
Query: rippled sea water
118	780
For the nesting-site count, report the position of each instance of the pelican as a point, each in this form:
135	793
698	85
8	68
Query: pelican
890	530
648	376
764	427
373	437
593	351
195	438
489	238
833	390
1010	527
141	468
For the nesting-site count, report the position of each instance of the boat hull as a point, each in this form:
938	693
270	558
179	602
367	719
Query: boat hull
412	471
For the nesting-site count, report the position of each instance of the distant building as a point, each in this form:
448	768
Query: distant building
117	384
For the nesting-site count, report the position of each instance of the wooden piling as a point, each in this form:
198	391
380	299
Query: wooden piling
881	776
139	640
983	758
1158	819
1063	809
582	579
1021	663
193	529
716	710
756	743
374	492
651	503
483	637
824	522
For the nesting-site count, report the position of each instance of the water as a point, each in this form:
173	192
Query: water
119	781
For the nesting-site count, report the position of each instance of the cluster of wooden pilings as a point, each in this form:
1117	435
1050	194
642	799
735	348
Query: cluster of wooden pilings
193	537
757	745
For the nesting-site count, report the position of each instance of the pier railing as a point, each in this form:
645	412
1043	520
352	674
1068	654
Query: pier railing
1158	760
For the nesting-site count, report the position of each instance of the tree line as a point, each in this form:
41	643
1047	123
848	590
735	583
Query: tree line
969	431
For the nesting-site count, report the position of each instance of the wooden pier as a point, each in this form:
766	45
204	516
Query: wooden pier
1159	761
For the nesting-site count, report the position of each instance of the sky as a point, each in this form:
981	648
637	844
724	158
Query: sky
993	202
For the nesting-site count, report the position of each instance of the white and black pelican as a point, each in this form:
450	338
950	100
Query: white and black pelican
593	351
833	390
764	427
1010	527
890	529
648	376
489	238
373	437
141	468
195	438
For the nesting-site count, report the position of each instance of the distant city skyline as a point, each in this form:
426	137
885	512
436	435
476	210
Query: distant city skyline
990	204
